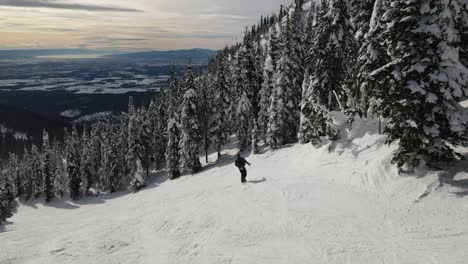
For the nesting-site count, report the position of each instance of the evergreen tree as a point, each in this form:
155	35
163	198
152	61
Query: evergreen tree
205	110
361	14
112	157
145	139
94	154
157	135
190	130
26	175
86	163
423	82
36	172
269	69
219	122
173	130
244	122
47	168
328	72
73	164
284	108
310	28
5	206
371	56
172	151
132	134
59	184
249	83
460	9
17	177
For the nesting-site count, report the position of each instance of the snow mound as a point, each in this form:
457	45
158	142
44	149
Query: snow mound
340	203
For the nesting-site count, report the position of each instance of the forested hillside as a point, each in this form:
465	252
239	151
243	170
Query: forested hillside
403	62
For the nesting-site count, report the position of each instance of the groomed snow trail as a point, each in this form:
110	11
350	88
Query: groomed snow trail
303	205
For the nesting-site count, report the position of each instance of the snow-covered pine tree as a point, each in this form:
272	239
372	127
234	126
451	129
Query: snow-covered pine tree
86	163
26	172
5	207
260	53
268	84
371	56
249	83
205	100
113	168
14	169
421	85
132	134
461	10
244	122
106	156
157	135
219	123
284	108
47	168
173	130
94	154
109	176
36	172
174	94
190	130
172	150
59	184
328	71
145	140
361	14
73	164
310	27
162	104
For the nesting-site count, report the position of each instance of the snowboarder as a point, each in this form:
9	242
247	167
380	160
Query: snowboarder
240	163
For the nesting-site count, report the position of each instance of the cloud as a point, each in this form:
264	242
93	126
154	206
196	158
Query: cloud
69	6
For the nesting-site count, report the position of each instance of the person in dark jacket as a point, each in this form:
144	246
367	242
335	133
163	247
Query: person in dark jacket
240	163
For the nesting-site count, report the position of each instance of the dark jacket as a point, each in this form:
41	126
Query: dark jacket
240	163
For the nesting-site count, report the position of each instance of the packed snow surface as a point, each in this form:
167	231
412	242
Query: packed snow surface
340	203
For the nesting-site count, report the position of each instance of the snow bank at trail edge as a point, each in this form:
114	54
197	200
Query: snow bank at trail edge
362	158
340	203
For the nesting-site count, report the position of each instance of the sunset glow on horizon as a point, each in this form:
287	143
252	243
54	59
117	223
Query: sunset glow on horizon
128	25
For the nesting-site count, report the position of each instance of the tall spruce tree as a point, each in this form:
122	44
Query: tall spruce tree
285	99
328	72
132	136
47	168
219	123
249	80
26	175
172	150
85	173
423	82
5	206
73	164
372	55
189	126
244	122
36	172
173	129
269	69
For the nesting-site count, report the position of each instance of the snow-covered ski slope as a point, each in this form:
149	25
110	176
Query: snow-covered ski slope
336	204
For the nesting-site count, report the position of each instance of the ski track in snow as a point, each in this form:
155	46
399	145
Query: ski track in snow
311	207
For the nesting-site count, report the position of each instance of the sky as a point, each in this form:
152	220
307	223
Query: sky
125	25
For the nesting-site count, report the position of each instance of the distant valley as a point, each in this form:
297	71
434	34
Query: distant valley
53	88
57	84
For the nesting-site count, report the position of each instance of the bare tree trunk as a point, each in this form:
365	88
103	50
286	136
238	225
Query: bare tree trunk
380	126
206	147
